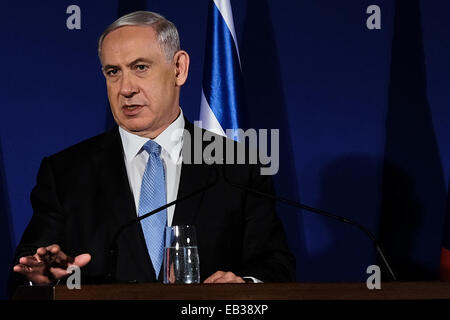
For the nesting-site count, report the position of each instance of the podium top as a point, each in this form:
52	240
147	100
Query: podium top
263	291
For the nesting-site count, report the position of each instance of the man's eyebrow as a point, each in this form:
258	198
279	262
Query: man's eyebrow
139	60
109	66
131	64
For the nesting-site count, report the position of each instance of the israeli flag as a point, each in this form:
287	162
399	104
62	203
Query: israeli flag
222	78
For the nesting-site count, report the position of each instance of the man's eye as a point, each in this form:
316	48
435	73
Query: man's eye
111	72
141	67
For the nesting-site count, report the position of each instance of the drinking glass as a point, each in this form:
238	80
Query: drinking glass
181	260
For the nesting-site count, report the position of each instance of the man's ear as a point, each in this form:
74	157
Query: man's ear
181	60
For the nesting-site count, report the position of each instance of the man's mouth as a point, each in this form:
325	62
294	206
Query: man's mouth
132	109
132	106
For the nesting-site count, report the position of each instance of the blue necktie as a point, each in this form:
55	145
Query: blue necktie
153	195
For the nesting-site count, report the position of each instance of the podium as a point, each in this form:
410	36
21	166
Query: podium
262	291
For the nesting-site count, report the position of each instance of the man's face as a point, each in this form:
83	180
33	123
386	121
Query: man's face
143	86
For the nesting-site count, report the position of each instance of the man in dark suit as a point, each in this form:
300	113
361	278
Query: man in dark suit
86	192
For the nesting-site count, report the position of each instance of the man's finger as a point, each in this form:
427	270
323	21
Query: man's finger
212	278
82	259
56	251
224	277
53	248
30	261
58	273
23	269
40	252
28	271
230	278
43	254
37	275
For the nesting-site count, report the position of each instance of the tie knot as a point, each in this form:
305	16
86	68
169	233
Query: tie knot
152	147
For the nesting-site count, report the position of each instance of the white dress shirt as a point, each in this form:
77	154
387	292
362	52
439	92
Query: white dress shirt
171	142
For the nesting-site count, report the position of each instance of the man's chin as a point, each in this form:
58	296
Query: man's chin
140	130
133	127
140	127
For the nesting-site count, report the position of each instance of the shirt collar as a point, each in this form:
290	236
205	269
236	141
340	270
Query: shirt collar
170	140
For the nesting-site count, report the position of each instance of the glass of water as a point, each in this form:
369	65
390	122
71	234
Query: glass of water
181	260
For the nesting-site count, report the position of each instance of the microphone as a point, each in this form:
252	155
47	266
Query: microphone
320	212
112	252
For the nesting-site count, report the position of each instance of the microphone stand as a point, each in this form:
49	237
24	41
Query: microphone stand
320	212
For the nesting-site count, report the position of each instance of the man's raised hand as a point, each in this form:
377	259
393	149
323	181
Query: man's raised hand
49	264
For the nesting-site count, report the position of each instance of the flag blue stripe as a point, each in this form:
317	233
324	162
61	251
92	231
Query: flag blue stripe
222	75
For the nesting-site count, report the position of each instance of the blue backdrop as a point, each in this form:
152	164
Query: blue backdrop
363	114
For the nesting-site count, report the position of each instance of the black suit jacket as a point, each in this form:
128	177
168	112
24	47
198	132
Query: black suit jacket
82	196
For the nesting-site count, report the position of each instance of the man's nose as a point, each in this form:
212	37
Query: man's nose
127	87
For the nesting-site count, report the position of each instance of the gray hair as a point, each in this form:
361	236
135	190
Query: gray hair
165	30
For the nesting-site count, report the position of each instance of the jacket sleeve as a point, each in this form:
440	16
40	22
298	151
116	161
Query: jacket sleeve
46	225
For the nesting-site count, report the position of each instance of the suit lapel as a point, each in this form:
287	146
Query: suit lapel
193	177
119	199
